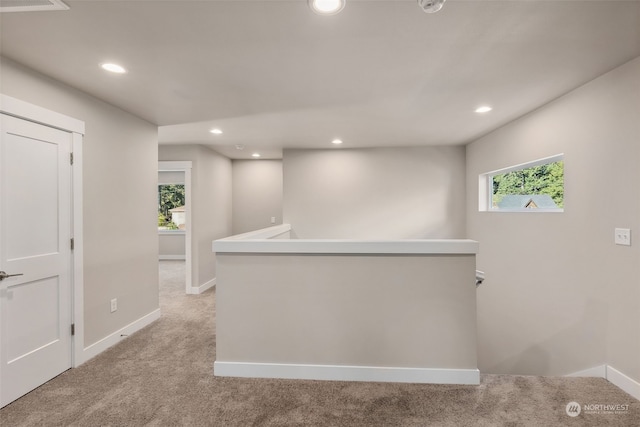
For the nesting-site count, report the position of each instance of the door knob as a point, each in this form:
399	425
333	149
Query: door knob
4	275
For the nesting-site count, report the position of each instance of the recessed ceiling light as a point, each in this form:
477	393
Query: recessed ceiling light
216	131
483	109
326	7
336	141
114	68
431	6
256	155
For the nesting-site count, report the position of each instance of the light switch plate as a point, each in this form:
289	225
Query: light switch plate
623	236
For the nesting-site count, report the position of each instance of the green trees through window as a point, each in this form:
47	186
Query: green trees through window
534	187
171	200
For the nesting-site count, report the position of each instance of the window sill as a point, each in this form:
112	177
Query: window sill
524	210
171	232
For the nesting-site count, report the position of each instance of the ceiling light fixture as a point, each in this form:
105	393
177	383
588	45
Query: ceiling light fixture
114	68
431	6
336	141
216	131
483	109
326	7
256	155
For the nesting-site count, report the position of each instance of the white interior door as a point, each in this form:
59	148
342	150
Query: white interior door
35	233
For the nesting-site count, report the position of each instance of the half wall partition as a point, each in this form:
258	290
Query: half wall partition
394	310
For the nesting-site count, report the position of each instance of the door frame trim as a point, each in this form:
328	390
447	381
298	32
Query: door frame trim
33	113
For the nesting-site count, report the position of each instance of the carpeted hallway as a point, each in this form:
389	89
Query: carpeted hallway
163	376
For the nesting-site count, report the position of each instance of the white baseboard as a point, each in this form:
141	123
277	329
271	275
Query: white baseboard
347	373
612	375
196	290
623	382
96	348
595	372
172	257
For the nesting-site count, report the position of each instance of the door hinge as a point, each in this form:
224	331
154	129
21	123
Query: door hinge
71	158
73	329
72	243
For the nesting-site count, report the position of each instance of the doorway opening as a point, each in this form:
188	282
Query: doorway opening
174	216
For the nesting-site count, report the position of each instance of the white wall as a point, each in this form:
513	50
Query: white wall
376	193
257	194
559	296
172	246
171	177
210	203
120	257
366	310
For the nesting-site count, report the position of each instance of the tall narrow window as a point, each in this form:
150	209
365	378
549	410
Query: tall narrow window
171	209
537	185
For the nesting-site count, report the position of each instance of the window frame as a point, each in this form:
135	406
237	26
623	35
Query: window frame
486	186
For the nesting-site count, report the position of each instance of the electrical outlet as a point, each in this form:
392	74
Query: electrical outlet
623	236
114	304
273	220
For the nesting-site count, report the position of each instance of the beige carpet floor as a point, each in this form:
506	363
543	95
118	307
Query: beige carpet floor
163	376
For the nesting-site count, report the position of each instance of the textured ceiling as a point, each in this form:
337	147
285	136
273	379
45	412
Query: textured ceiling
272	75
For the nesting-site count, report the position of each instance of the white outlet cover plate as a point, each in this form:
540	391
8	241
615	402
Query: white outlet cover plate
623	236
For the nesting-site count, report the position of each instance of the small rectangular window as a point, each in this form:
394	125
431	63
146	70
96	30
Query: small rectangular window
533	186
171	210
